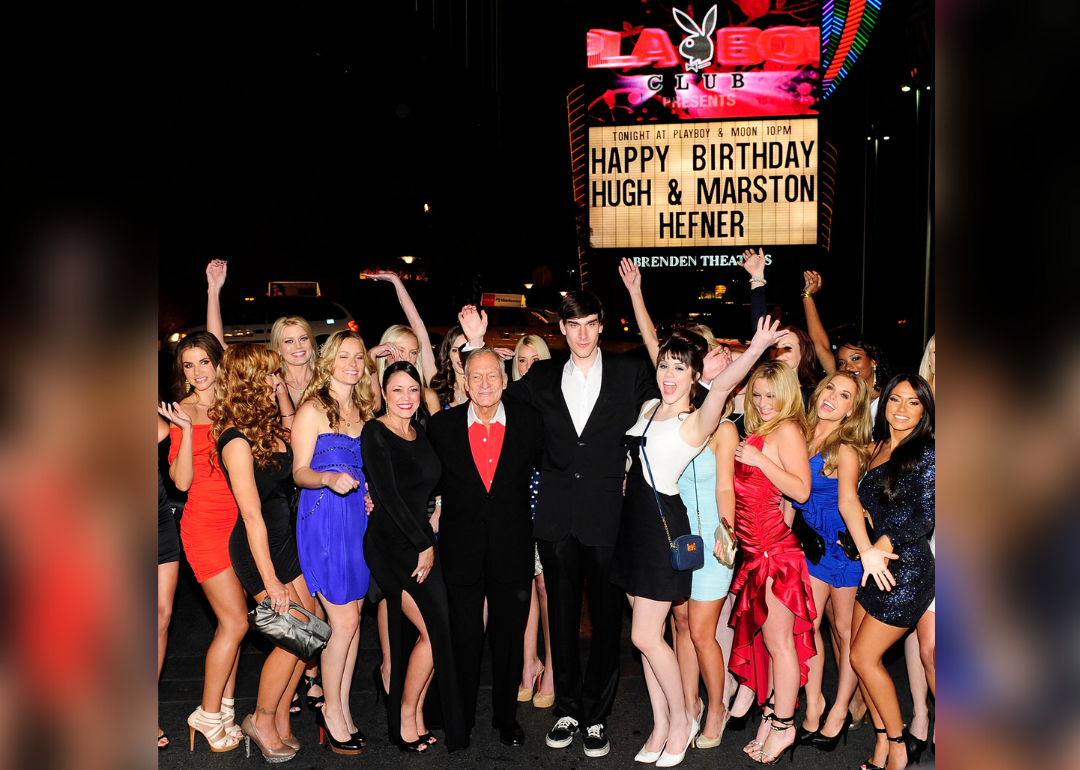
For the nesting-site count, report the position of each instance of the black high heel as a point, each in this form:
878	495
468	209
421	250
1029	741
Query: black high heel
413	747
829	742
314	681
869	764
359	737
376	677
915	746
802	735
739	723
351	746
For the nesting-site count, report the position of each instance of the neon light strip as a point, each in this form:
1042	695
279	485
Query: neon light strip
843	50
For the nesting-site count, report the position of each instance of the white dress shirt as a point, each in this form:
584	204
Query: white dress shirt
581	391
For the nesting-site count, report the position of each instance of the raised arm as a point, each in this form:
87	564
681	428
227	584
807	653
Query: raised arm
822	346
416	323
382	479
215	279
473	325
631	277
725	375
792	474
236	456
755	265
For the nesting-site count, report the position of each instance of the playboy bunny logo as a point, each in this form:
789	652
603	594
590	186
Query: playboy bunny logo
698	48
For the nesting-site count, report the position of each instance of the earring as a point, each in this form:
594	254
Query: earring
188	386
873	373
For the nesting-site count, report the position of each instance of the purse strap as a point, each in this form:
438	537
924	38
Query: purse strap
653	480
697	503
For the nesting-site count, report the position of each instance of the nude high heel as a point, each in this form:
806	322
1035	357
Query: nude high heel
273	756
228	718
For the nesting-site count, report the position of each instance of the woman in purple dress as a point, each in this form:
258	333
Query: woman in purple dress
331	519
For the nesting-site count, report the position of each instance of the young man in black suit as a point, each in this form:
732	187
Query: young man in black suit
488	452
588	403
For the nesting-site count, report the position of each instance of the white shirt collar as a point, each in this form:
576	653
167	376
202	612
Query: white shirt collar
595	370
500	416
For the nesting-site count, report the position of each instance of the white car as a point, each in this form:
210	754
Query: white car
252	320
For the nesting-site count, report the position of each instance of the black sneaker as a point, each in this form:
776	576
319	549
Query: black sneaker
596	742
562	734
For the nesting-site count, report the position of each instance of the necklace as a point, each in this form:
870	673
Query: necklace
347	419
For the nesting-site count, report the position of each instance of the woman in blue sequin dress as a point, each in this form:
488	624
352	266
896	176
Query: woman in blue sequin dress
331	518
898	493
838	439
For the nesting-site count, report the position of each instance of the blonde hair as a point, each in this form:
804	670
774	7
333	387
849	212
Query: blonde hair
702	330
788	404
924	367
244	398
855	429
394	335
277	331
534	342
319	387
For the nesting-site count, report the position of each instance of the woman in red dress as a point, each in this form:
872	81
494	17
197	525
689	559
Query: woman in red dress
773	615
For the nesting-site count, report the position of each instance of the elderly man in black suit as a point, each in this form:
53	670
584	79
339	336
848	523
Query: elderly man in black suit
588	403
488	452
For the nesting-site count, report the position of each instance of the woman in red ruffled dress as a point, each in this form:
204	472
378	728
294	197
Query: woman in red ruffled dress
773	615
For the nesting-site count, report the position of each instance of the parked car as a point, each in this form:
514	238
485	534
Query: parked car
251	320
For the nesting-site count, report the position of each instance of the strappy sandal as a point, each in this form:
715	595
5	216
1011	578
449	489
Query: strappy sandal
754	746
786	724
211	727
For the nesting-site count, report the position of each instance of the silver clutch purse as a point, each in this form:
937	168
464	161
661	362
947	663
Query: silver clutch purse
302	639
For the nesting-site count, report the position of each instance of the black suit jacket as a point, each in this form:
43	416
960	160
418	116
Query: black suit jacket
473	519
581	477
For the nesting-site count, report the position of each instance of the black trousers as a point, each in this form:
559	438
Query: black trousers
567	565
508	614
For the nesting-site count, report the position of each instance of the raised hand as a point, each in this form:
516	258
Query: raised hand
768	332
812	280
473	323
754	263
382	351
717	360
175	414
381	275
215	273
631	275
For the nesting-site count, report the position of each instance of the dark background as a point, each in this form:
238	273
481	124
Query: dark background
302	142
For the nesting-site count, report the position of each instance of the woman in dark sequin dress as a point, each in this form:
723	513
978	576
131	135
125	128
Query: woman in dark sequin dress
898	493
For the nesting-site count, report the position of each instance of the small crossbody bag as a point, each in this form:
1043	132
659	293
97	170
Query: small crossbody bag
723	535
688	551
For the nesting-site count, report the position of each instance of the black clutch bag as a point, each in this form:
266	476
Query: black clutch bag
304	639
847	542
813	544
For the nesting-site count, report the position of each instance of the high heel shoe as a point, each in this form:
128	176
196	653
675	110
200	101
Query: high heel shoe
829	742
705	742
525	694
649	757
670	760
429	739
855	724
314	702
802	735
915	746
349	746
228	718
869	764
540	701
376	677
217	737
739	723
419	746
284	754
786	724
359	737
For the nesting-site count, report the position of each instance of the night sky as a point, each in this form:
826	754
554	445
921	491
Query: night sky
301	143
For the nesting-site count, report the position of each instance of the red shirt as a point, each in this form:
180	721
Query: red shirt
486	443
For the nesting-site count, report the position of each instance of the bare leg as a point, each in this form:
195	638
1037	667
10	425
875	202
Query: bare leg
686	656
350	668
871	639
725	636
166	590
665	684
345	624
229	603
547	682
384	644
778	632
920	718
704	617
842	600
313	670
927	647
815	699
418	675
532	629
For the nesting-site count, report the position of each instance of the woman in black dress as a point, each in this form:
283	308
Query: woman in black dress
898	493
258	466
402	469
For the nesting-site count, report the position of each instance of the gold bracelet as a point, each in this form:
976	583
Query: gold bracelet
806	295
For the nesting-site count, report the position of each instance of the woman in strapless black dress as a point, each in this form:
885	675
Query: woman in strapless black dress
257	463
402	469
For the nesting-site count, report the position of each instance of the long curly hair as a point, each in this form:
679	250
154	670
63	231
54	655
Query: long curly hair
204	341
443	381
783	382
855	429
245	400
319	387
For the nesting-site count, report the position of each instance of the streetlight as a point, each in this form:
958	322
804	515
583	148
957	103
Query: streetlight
408	260
528	286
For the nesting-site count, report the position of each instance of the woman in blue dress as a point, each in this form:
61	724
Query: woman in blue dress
331	519
838	439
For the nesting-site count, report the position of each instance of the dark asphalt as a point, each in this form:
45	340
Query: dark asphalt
181	683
